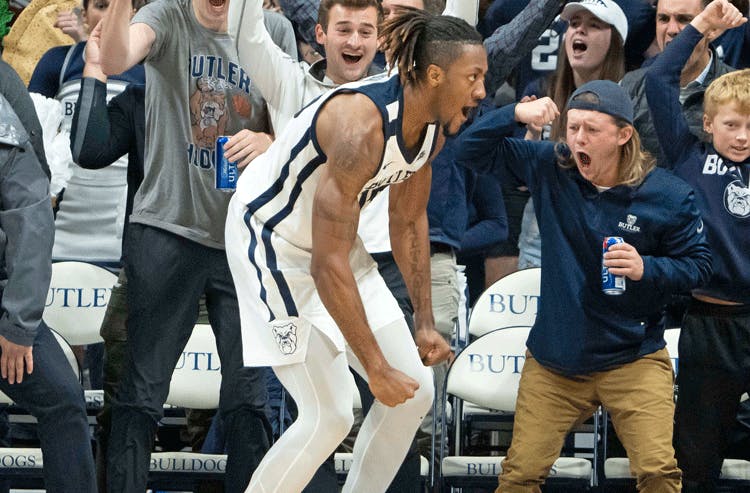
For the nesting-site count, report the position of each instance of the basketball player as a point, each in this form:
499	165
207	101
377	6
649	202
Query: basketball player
311	300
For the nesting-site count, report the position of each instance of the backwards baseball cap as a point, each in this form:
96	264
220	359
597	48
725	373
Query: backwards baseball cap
605	10
604	96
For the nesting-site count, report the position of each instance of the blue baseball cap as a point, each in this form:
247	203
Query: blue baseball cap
604	96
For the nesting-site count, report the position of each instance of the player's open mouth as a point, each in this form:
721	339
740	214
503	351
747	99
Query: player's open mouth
467	111
217	3
579	47
351	59
584	159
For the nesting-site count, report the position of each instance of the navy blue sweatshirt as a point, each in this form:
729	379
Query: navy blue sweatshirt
452	190
721	186
578	328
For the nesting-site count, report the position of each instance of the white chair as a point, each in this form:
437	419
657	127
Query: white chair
76	302
343	462
195	384
486	374
735	473
196	380
512	300
672	337
77	299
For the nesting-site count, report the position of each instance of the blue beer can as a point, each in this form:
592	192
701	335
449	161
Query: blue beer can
611	284
226	171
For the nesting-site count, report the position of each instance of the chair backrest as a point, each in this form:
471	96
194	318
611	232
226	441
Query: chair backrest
77	299
488	370
672	336
69	355
196	379
512	300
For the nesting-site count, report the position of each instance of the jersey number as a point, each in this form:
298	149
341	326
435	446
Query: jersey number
544	56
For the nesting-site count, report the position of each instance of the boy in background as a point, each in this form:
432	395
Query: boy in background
715	339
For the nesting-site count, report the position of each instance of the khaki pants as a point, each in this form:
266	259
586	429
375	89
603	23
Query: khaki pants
445	299
637	395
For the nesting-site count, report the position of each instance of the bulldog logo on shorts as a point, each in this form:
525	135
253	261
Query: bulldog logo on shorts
286	337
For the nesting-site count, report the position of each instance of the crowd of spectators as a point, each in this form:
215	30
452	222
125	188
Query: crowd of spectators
124	101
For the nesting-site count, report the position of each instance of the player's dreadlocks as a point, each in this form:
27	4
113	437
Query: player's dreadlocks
415	39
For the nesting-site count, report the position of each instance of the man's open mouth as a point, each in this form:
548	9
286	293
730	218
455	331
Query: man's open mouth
469	112
584	159
352	59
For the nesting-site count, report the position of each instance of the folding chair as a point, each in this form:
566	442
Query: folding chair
511	300
77	299
23	467
76	302
487	373
195	384
343	462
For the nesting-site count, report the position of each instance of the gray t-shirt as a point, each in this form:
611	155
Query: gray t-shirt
196	91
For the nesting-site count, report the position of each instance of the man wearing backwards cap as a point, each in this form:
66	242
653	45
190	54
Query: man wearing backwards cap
588	348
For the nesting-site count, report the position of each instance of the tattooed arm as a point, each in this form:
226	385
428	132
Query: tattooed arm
349	130
411	248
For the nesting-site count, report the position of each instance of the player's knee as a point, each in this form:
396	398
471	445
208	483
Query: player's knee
336	425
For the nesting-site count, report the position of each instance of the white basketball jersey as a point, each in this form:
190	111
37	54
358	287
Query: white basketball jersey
280	185
269	231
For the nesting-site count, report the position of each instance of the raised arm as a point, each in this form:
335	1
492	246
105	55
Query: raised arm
244	146
123	44
662	80
100	133
511	42
349	131
486	145
279	77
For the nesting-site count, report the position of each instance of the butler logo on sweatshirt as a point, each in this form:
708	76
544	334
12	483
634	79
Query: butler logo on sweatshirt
629	225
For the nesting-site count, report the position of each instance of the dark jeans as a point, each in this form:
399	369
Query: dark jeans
714	371
167	274
114	333
54	396
216	435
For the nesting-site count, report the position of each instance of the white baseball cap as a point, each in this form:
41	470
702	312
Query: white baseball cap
605	10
